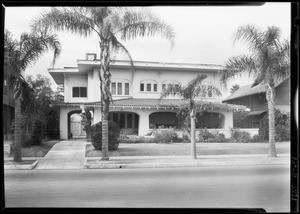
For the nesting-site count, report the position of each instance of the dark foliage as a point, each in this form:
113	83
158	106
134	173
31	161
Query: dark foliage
113	135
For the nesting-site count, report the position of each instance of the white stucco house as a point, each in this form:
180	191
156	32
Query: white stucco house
136	92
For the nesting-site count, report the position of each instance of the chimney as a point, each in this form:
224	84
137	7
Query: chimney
90	56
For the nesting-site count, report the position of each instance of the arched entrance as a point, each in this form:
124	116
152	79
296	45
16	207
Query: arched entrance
75	129
127	121
165	119
210	120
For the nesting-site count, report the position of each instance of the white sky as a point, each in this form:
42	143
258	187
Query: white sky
204	35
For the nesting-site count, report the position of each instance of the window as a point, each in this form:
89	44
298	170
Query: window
113	88
142	87
122	121
148	87
126	88
79	92
129	120
119	88
115	118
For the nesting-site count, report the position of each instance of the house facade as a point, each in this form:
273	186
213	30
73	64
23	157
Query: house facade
136	90
254	98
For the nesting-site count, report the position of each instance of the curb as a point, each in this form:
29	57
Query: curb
22	167
98	164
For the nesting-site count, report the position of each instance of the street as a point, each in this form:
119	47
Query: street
262	186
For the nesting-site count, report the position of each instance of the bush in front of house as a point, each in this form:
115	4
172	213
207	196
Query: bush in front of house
113	135
257	139
238	136
206	136
282	127
165	136
135	140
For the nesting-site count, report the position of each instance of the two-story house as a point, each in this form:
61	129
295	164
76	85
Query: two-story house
136	91
255	99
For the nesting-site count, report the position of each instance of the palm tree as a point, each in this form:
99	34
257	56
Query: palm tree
268	62
111	24
18	55
193	90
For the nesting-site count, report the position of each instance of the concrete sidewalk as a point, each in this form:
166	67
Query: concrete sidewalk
64	155
185	161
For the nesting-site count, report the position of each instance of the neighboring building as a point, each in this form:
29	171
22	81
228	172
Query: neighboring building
136	92
8	109
255	99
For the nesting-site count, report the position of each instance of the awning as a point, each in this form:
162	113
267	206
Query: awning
161	104
256	112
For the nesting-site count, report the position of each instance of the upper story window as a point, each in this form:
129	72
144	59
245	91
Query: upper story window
148	86
79	92
120	87
166	83
206	93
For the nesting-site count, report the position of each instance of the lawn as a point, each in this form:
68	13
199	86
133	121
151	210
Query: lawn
152	149
38	151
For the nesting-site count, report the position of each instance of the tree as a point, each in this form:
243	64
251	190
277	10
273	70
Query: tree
18	55
111	24
234	88
268	62
193	90
41	116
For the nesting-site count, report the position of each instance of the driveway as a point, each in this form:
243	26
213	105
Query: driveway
69	154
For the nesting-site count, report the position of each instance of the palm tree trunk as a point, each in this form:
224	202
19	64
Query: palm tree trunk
17	132
104	75
271	113
193	134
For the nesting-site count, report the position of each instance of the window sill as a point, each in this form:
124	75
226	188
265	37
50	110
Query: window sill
148	92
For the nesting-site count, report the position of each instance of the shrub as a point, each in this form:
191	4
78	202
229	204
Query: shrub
113	135
206	136
257	138
37	136
134	140
282	127
239	136
165	136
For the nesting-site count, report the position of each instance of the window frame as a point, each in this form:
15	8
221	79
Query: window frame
79	92
149	83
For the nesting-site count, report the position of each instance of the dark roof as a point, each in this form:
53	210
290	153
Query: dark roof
158	103
248	90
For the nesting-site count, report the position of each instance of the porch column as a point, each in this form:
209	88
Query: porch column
143	123
97	115
63	123
228	123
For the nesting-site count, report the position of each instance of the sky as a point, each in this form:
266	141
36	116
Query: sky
204	35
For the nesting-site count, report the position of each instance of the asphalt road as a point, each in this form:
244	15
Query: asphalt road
265	187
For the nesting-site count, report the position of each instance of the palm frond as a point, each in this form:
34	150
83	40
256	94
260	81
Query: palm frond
65	20
251	36
143	23
33	45
237	66
118	46
172	89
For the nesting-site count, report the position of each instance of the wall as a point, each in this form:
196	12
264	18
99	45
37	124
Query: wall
75	80
135	77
